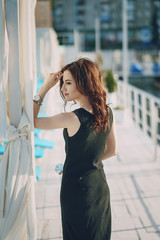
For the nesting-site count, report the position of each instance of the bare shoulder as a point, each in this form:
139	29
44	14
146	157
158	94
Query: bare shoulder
71	117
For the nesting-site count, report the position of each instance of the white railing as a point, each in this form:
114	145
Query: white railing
144	109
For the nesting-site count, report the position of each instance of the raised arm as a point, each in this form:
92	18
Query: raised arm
62	120
111	144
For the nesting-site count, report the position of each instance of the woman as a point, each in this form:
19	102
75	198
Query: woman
90	137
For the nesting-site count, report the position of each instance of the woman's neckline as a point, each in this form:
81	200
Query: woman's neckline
86	111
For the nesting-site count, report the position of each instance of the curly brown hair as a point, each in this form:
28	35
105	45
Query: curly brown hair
89	82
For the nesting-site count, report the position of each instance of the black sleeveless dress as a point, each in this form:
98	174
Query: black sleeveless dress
84	196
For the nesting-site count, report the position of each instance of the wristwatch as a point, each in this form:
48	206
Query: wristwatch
37	99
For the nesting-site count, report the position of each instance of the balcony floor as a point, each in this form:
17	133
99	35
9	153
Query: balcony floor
133	177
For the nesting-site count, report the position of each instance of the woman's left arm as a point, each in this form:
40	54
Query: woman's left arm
111	144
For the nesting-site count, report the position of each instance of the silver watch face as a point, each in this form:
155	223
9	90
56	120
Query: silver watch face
37	98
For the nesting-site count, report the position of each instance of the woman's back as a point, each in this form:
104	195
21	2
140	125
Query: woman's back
85	148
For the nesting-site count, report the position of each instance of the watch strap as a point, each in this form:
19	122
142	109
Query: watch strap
37	102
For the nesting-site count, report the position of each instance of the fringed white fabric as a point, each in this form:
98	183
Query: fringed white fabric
17	178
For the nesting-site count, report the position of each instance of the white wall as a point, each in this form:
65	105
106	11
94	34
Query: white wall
111	58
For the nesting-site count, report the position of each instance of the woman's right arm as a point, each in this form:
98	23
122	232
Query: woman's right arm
36	107
62	120
49	82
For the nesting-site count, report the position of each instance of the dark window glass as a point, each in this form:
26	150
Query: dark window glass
140	113
140	99
132	95
148	120
147	104
149	133
159	128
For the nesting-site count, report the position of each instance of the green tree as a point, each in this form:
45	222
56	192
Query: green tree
109	81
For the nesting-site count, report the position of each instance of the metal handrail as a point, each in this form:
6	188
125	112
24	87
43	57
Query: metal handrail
144	108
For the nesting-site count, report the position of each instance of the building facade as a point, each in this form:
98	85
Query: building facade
143	21
43	14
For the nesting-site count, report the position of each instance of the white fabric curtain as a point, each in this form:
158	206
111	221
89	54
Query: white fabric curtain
17	75
48	54
3	72
48	60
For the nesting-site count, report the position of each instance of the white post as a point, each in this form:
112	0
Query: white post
125	50
76	40
154	125
156	133
97	35
76	35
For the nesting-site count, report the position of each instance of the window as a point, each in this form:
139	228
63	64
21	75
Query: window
140	113
105	19
80	2
147	13
105	25
139	14
131	5
148	120
80	12
147	104
139	99
80	23
131	15
147	4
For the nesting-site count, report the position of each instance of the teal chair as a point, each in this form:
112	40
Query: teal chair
43	143
39	152
38	172
37	132
2	149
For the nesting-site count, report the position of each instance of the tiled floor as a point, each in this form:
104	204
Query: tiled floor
134	180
